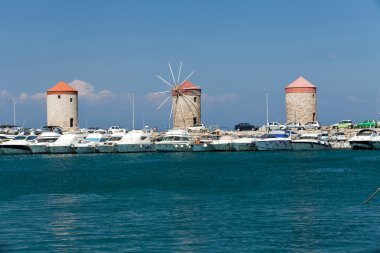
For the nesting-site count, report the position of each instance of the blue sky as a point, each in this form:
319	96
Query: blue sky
238	49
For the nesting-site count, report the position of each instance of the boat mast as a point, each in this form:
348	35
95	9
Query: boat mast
267	105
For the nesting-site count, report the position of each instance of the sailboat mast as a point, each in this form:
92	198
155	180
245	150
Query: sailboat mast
266	98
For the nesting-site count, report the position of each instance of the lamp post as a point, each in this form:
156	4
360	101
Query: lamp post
133	110
13	99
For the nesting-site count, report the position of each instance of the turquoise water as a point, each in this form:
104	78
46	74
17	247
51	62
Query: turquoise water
191	202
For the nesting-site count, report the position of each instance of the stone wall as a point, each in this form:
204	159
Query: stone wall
185	109
60	109
301	107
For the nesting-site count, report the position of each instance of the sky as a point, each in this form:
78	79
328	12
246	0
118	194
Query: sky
239	50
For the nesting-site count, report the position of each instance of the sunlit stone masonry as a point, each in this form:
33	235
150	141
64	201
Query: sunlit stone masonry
301	101
62	106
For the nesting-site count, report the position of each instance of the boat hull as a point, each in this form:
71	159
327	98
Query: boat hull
376	144
305	146
361	145
15	149
171	147
38	148
134	148
244	146
85	149
221	146
106	148
61	149
273	145
203	147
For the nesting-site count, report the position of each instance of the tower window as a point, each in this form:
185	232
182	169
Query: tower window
71	122
194	121
71	100
195	99
59	96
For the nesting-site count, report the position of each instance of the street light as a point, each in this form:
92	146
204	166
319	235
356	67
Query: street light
133	110
13	99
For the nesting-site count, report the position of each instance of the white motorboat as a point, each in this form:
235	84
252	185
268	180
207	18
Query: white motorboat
309	142
40	145
274	140
90	143
136	141
203	144
18	145
4	138
244	143
364	139
108	146
376	142
63	145
175	140
223	143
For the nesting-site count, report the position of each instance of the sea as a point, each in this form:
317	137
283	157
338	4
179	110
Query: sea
191	202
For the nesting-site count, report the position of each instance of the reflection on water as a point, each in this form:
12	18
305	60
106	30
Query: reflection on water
63	222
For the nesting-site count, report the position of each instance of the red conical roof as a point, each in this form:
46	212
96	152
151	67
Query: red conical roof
62	88
301	85
186	85
301	82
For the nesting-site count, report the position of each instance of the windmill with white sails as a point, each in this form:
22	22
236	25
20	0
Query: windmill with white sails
186	100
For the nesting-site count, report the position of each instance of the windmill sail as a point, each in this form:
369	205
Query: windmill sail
186	100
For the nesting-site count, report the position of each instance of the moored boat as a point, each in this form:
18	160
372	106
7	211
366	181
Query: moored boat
274	140
203	143
175	140
309	142
244	143
90	143
63	145
18	145
364	139
223	143
40	145
108	146
135	141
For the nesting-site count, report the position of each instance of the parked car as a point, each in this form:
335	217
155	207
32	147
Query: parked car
275	126
343	124
197	128
245	127
312	125
116	129
324	136
338	136
367	124
293	125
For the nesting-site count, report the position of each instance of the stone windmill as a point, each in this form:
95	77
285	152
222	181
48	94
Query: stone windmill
62	106
301	101
186	100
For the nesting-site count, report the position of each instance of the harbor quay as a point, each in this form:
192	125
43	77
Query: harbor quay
53	141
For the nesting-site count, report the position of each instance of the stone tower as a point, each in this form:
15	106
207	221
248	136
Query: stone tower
186	105
62	106
301	101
